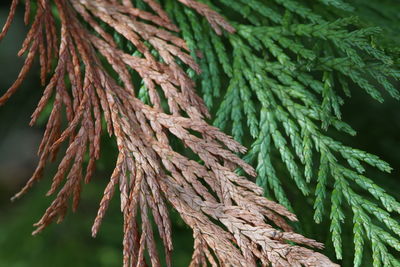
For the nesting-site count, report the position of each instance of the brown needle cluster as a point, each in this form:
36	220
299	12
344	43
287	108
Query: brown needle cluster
233	224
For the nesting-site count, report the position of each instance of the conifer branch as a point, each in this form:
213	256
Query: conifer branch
284	67
87	67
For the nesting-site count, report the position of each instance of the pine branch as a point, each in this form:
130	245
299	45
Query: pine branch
90	79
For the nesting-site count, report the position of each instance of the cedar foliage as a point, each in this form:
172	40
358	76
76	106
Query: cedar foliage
282	63
285	67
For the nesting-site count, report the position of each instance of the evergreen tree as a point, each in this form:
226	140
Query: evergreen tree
273	74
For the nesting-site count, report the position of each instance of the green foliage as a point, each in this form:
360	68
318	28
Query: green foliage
287	71
278	86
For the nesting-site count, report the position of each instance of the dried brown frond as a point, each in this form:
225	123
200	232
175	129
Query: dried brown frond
148	172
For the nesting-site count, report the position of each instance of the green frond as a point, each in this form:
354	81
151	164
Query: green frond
320	190
340	4
337	216
283	79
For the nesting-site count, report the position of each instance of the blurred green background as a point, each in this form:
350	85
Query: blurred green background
70	242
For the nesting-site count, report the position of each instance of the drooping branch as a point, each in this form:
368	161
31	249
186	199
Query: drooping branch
149	171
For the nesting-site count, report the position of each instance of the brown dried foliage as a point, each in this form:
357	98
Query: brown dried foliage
232	222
